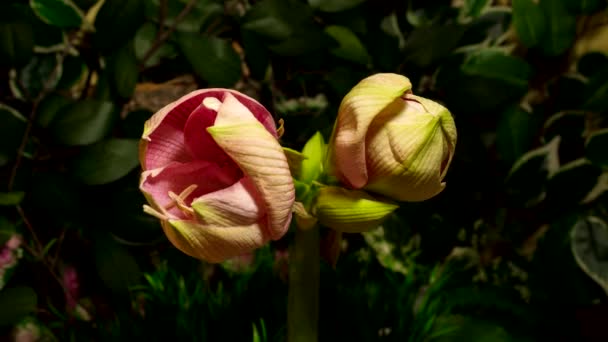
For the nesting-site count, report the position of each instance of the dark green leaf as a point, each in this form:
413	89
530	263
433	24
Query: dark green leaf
49	108
116	267
212	58
11	198
584	6
528	177
124	71
16	39
144	38
495	64
7	230
61	13
596	147
256	54
516	133
566	92
306	39
106	161
572	182
55	197
529	22
350	47
117	22
334	5
474	8
83	122
561	27
12	125
429	44
596	92
15	304
276	19
590	248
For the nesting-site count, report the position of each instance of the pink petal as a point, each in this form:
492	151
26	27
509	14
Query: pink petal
237	205
176	177
163	137
260	156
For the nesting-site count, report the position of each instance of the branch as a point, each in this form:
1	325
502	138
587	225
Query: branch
46	88
162	38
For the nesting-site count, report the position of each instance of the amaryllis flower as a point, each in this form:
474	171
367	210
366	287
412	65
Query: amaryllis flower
391	142
215	174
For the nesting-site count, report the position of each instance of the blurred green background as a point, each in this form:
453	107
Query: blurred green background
515	248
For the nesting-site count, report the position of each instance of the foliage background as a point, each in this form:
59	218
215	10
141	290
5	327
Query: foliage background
515	248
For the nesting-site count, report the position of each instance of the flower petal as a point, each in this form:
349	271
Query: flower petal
405	158
260	156
211	243
163	136
236	205
357	111
176	177
350	211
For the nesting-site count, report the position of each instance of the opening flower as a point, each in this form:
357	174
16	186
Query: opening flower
215	174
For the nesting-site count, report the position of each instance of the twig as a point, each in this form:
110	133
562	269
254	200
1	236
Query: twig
166	34
162	14
29	227
30	122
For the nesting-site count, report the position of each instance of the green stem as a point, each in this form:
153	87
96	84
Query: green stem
303	297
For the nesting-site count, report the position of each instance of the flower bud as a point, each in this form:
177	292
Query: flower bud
350	211
389	141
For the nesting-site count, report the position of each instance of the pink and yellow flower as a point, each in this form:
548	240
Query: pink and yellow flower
215	174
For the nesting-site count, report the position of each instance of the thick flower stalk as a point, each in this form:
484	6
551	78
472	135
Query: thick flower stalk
391	142
215	174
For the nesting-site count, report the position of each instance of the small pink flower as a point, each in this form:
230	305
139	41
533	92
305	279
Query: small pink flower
6	257
215	174
14	242
72	286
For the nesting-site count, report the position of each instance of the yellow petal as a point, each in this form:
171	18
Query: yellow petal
259	155
358	109
211	243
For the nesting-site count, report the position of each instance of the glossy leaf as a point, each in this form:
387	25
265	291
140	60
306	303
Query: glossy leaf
527	178
516	132
61	13
16	40
124	71
474	8
212	58
351	48
494	64
561	27
584	6
117	22
42	73
106	161
529	21
590	248
83	122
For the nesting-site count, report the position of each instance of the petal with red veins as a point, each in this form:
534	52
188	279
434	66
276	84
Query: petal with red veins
212	243
260	156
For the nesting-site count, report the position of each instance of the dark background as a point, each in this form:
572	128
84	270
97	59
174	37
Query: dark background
515	248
